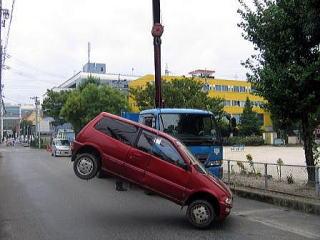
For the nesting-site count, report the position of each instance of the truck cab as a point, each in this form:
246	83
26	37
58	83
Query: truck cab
197	129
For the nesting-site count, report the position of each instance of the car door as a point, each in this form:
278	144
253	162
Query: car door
139	157
115	139
165	173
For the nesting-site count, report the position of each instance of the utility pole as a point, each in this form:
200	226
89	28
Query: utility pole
37	103
1	100
157	31
5	13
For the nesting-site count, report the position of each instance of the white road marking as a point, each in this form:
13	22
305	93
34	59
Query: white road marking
275	224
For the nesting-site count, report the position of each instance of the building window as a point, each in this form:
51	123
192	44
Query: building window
242	89
224	88
227	103
236	88
218	88
235	103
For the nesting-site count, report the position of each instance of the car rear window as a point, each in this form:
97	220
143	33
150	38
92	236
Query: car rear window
118	130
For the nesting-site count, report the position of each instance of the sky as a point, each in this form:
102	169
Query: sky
48	40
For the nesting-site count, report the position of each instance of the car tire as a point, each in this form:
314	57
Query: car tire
201	214
86	166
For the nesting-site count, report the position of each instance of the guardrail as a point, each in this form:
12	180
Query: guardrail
283	178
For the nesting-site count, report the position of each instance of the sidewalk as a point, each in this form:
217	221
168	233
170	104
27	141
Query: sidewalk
307	205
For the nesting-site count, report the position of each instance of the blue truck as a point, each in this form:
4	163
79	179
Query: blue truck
197	129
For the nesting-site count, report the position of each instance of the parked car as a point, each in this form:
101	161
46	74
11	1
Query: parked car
153	160
60	147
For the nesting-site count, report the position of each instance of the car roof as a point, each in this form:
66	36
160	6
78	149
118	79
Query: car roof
150	129
175	110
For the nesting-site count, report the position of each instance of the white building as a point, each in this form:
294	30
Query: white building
98	70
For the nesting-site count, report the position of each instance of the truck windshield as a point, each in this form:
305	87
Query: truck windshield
194	161
199	129
62	143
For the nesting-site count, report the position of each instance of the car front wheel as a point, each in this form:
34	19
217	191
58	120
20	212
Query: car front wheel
200	214
86	166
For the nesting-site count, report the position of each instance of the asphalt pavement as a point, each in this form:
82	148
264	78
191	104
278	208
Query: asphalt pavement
41	198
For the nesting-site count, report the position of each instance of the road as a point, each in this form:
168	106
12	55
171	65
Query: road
41	198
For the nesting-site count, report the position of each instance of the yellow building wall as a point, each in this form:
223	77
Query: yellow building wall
226	95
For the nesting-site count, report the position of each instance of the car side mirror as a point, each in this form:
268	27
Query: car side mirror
184	166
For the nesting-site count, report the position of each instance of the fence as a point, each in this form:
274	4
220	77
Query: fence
290	179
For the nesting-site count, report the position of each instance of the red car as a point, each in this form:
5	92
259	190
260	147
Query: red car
153	160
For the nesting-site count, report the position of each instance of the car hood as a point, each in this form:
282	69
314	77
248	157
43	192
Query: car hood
221	185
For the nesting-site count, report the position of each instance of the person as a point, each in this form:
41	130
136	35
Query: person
119	185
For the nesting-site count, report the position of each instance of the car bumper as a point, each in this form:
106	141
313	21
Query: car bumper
63	153
224	211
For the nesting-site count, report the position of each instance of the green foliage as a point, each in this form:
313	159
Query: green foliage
83	104
285	68
89	80
25	123
251	163
53	103
178	93
250	124
35	143
316	153
248	141
224	127
242	168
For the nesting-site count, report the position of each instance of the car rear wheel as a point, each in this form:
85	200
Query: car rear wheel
200	214
86	166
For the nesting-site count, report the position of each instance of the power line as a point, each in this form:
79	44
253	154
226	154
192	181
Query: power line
8	33
30	66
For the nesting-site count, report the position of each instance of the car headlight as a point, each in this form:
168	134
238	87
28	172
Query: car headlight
214	163
228	201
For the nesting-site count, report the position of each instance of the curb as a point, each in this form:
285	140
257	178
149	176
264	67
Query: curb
301	204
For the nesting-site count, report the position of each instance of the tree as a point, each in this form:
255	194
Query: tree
249	122
178	93
25	127
286	67
53	103
83	104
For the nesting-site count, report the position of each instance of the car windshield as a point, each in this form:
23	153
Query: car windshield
192	158
62	143
189	127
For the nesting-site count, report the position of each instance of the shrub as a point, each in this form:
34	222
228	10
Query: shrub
290	179
248	141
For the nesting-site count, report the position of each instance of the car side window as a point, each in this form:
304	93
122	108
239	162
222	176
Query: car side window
163	149
148	120
118	130
146	142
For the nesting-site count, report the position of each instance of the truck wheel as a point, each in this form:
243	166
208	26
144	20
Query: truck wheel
200	214
86	166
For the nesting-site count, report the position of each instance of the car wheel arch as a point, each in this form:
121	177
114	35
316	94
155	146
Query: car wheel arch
90	149
204	196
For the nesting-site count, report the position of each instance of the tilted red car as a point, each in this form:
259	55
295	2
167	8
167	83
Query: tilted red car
153	160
